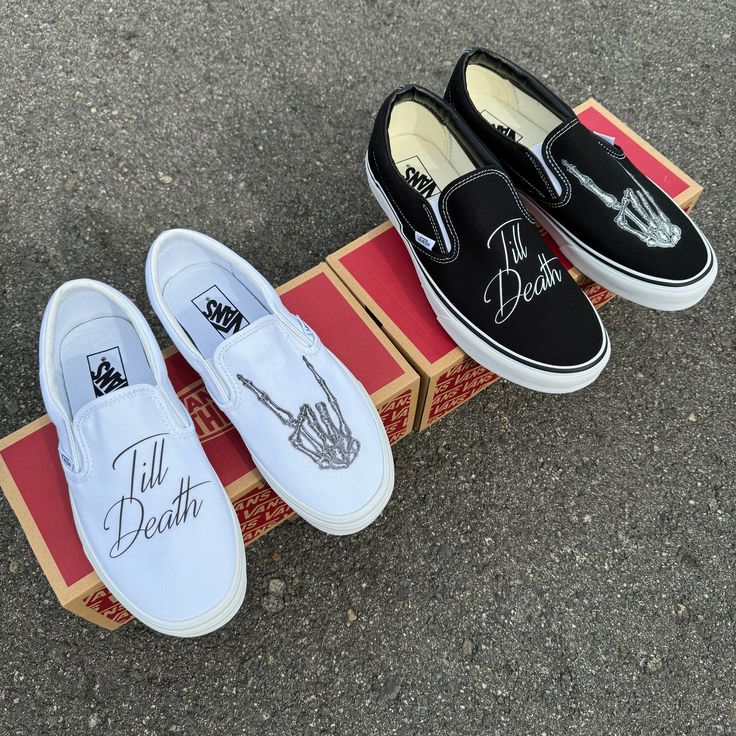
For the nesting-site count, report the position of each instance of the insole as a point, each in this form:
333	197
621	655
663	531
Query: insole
424	165
508	109
101	356
211	305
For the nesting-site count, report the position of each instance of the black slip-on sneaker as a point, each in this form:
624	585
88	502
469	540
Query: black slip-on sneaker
609	220
495	286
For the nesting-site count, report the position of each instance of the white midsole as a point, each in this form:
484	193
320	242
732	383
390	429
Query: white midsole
537	379
668	297
207	622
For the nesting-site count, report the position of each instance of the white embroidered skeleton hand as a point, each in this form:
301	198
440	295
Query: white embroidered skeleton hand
315	434
637	212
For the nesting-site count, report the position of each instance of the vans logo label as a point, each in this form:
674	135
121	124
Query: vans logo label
417	176
423	240
107	371
500	126
220	312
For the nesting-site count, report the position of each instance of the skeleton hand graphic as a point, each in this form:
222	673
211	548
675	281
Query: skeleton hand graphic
637	212
315	433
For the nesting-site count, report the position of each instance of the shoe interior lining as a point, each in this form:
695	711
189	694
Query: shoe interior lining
426	153
99	356
211	304
507	108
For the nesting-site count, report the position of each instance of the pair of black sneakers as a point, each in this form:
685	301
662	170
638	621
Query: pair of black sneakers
462	179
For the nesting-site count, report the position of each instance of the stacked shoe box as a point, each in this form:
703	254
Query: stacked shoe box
34	484
410	367
378	270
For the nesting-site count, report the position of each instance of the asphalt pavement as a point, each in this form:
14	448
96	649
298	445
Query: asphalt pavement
548	564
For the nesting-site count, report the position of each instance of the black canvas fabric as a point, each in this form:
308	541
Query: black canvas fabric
650	235
494	258
411	207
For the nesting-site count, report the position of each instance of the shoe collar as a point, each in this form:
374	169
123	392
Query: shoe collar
245	272
50	374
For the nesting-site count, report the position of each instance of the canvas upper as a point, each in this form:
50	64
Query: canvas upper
474	240
581	179
308	423
152	515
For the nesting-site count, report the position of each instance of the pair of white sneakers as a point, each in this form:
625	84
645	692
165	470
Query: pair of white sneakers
152	515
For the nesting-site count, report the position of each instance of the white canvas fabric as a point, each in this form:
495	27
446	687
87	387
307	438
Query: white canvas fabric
310	426
153	518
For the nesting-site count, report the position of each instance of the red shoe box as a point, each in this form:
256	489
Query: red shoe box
32	479
378	270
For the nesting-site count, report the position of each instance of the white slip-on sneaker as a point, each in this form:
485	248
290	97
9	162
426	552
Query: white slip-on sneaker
152	516
309	425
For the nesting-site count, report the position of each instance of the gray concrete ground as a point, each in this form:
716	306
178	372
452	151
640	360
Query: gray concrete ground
548	565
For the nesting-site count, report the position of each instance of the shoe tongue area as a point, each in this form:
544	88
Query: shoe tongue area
473	197
572	136
237	343
251	346
476	174
587	159
571	139
429	240
123	413
487	220
477	196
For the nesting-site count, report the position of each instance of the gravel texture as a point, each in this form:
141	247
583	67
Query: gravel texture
548	565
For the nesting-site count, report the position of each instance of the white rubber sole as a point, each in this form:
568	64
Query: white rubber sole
210	621
548	379
667	296
349	523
